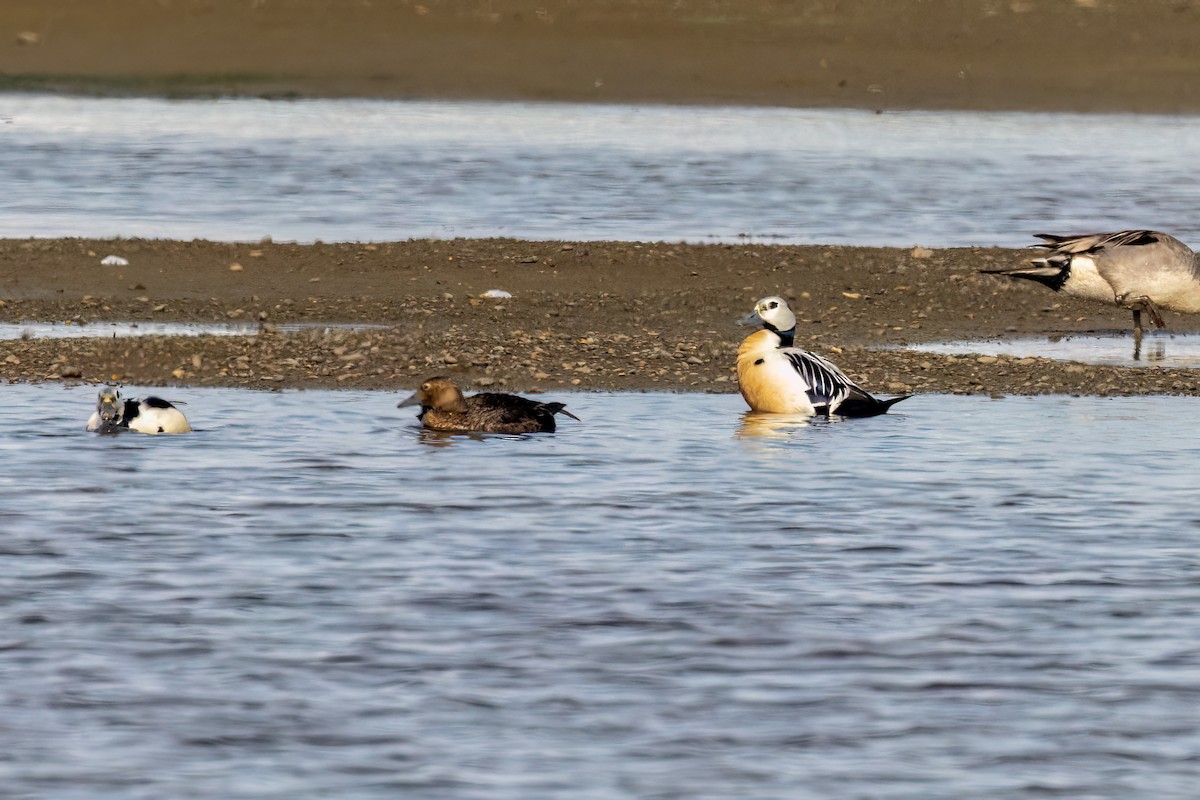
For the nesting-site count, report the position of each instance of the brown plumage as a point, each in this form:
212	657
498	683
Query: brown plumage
443	408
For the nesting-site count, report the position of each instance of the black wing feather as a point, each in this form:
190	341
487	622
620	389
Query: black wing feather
827	385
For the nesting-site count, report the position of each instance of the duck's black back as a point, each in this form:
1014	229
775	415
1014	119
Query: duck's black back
493	409
133	407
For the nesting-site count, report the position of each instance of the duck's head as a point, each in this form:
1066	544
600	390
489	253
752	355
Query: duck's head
110	406
437	393
771	313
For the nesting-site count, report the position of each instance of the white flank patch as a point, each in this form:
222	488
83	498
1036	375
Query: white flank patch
114	261
498	294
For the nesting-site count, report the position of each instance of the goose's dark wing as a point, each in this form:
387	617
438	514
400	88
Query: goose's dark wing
1091	242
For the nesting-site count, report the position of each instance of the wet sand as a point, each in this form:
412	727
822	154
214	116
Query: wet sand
582	316
1060	55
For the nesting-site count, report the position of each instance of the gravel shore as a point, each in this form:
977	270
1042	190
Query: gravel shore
594	315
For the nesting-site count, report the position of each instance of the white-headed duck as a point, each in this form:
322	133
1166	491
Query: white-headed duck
444	408
774	376
153	415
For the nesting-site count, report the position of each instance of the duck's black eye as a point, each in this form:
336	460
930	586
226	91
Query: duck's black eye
773	305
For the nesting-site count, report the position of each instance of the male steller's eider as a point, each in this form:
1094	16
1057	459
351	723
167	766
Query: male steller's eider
443	408
777	377
1137	269
152	415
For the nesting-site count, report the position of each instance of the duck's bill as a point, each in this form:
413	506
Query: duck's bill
412	400
750	319
108	410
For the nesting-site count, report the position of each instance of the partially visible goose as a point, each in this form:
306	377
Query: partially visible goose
775	376
444	408
1139	270
152	415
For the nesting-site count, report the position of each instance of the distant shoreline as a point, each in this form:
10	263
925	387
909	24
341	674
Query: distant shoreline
1090	56
583	315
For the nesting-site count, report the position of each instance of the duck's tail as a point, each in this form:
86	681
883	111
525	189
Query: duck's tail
867	406
559	408
1051	271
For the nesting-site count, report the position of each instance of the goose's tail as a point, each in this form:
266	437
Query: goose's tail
1051	271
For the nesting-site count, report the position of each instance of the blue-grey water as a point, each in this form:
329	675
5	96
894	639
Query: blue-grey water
341	170
308	597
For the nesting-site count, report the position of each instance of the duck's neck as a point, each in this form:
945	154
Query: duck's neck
786	338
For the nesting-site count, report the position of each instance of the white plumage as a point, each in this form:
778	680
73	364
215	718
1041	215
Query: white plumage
152	415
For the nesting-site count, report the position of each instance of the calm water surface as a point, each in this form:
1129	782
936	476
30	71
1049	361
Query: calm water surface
310	598
1110	348
342	170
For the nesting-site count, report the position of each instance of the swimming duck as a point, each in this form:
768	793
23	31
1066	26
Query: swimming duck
444	408
1137	269
152	415
777	377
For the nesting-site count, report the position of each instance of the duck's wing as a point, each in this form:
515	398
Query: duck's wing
512	409
154	415
832	388
827	385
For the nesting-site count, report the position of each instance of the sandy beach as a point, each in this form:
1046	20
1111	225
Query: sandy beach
582	315
1054	55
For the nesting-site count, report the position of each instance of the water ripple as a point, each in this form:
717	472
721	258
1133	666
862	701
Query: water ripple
344	170
973	598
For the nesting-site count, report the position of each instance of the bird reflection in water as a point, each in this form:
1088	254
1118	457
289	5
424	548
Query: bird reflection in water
1150	347
432	438
765	425
1155	353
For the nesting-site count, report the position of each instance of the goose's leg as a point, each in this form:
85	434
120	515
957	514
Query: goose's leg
1152	310
1137	340
1137	324
1139	304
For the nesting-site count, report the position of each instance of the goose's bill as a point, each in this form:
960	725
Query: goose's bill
413	400
751	319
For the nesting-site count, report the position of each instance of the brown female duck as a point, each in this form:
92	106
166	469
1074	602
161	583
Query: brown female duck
444	408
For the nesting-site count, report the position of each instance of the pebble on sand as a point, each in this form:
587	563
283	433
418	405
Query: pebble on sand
114	261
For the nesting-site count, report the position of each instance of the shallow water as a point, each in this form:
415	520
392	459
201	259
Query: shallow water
1110	348
342	170
969	598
